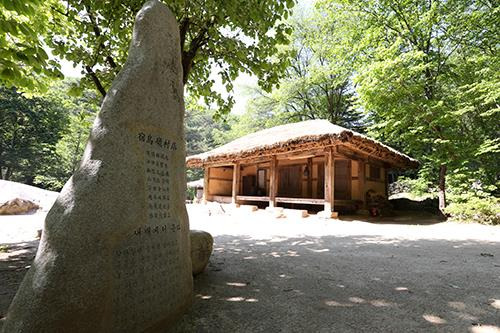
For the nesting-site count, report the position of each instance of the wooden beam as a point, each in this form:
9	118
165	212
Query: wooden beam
273	181
251	198
206	184
353	152
309	177
236	182
293	155
329	181
307	201
221	179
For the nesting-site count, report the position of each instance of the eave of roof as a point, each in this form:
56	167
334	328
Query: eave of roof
299	136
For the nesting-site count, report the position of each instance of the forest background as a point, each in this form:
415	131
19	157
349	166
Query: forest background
421	76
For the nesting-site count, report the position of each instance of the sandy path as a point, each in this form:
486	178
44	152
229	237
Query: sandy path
312	275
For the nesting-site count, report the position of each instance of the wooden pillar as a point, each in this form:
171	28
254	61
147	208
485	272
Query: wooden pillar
309	177
206	182
386	183
361	181
236	182
273	181
329	182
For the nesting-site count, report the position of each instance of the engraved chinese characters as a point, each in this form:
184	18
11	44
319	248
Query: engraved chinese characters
114	254
158	176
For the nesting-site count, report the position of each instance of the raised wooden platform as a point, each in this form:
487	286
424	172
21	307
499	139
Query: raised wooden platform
305	201
251	198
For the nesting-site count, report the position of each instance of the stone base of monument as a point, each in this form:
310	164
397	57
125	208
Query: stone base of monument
277	212
248	208
328	215
300	213
202	244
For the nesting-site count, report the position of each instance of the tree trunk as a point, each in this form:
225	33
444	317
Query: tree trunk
76	152
442	187
8	172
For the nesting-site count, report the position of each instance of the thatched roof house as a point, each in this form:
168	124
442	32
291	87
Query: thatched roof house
285	163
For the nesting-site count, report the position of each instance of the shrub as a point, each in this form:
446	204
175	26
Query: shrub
414	188
485	210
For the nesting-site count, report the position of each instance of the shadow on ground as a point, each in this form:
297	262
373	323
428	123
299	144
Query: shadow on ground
15	259
329	284
400	217
347	284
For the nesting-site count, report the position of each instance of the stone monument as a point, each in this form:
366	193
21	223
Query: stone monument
114	254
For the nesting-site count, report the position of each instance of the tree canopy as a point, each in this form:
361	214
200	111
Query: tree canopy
42	138
420	75
23	60
426	73
226	37
314	85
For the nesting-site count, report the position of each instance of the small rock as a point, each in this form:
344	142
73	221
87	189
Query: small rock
201	249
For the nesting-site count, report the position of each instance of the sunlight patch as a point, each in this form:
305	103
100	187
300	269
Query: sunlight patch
335	303
236	284
319	251
235	299
434	319
484	329
357	300
204	296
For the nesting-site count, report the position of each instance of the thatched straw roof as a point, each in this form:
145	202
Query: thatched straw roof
300	136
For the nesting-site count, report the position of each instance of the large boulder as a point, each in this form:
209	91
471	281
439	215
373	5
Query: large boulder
202	244
429	205
18	206
11	190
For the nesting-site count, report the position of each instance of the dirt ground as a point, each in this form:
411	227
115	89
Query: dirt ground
311	275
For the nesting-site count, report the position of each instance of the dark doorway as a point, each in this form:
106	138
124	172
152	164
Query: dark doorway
320	189
249	187
290	181
342	184
261	182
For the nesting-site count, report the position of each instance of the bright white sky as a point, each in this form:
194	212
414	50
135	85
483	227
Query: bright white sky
242	84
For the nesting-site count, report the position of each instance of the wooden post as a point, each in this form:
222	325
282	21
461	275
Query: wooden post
329	182
273	181
206	182
361	181
386	183
236	182
309	177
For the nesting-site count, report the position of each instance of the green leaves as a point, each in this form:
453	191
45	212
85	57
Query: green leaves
230	36
42	138
23	62
426	74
